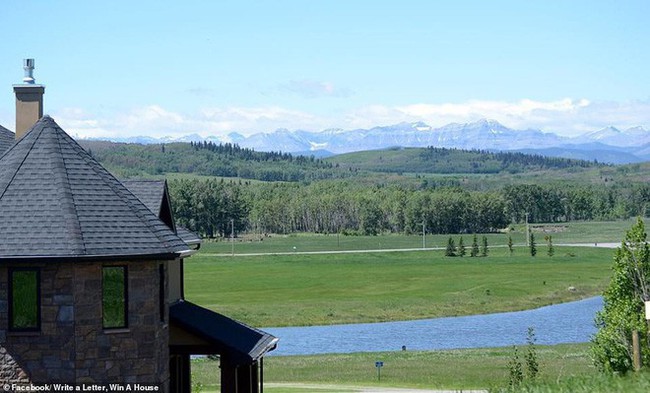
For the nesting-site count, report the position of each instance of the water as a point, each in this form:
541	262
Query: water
561	323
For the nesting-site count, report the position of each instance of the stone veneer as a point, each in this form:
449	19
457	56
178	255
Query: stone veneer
72	346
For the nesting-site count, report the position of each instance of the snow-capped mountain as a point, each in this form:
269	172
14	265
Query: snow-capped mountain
618	146
483	134
612	136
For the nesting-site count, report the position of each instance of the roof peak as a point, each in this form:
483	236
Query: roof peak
60	202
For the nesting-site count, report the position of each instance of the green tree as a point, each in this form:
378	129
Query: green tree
461	247
533	246
484	246
450	251
532	364
474	251
623	311
551	249
515	369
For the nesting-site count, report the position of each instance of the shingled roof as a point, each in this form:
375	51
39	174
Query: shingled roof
155	195
56	201
242	344
7	138
149	192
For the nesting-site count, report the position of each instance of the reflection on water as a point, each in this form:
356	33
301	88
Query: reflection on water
561	323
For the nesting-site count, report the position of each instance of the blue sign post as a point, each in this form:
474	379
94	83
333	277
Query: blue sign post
379	365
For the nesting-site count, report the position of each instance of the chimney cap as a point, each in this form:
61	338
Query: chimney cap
28	66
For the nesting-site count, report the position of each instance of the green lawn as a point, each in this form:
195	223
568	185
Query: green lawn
292	290
563	368
572	232
306	289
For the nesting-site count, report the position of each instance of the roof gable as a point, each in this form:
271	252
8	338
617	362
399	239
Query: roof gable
57	201
155	195
7	138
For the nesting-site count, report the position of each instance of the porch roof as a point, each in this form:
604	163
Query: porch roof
241	343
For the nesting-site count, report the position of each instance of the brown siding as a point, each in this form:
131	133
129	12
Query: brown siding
72	346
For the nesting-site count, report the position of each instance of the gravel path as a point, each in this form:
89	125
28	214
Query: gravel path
361	389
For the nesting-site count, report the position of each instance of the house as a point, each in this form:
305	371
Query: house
91	273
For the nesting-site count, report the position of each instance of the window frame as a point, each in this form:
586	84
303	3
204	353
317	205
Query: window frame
10	299
125	297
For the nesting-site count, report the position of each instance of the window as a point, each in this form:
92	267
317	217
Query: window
114	297
24	299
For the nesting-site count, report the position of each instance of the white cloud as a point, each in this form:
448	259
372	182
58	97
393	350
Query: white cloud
522	114
567	117
156	121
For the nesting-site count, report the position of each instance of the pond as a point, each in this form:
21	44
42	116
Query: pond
561	323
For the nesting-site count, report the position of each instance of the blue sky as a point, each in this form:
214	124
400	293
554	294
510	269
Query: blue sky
212	67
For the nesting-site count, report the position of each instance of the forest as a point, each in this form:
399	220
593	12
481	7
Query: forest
347	207
398	190
231	160
208	159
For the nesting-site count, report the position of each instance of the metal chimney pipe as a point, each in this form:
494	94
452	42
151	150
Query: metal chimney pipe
28	66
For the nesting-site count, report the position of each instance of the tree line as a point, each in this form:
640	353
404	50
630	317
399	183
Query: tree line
214	207
231	160
484	161
210	159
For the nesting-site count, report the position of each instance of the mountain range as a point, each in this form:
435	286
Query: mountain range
609	145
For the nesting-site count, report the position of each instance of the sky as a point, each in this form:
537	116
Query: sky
170	68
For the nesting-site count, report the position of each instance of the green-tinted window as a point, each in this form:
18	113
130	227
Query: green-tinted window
24	299
114	296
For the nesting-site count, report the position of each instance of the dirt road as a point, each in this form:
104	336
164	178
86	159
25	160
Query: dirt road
361	389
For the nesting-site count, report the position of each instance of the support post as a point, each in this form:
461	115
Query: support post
527	232
424	239
636	350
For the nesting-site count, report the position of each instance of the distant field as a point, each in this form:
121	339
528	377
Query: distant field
291	290
304	289
572	232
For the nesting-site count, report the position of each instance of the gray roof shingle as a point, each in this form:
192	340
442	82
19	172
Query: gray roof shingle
154	194
149	192
7	138
241	343
56	201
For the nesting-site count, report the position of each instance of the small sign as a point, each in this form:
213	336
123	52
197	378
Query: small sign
379	365
647	310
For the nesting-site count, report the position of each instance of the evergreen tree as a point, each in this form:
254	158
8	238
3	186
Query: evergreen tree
533	247
510	245
474	251
551	249
484	246
461	247
451	248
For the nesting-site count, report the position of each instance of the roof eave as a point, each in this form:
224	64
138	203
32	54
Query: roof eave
87	258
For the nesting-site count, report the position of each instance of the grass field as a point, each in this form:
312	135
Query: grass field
291	288
563	368
294	290
572	232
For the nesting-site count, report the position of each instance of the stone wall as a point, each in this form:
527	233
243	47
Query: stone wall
72	345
